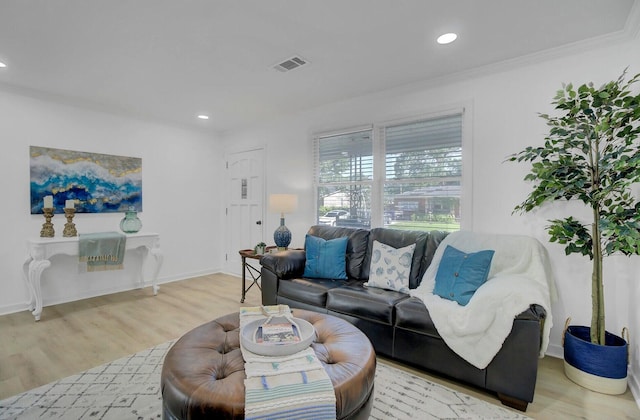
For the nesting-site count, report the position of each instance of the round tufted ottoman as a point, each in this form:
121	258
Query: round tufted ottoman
203	373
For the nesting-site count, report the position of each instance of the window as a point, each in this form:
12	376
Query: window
406	175
423	173
344	178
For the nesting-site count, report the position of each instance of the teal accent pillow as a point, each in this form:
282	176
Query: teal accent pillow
459	274
325	259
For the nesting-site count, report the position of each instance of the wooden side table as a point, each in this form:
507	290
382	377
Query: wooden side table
253	272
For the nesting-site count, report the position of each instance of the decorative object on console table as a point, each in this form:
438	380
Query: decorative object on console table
69	227
282	203
591	154
131	223
102	251
48	202
47	230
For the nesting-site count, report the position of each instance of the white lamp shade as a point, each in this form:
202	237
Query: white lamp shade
283	203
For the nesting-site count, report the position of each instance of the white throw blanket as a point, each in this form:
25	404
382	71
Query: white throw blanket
520	275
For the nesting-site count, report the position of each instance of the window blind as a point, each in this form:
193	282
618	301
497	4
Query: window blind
424	149
344	158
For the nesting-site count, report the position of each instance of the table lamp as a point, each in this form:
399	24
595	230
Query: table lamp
282	203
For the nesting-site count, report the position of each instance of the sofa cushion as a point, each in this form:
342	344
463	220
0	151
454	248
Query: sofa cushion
460	274
357	245
411	314
325	258
364	302
390	267
311	291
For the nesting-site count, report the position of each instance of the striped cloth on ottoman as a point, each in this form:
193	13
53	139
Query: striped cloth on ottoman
285	387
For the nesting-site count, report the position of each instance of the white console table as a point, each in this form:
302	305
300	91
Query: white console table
40	250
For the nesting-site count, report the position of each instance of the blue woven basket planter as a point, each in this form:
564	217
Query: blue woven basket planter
599	368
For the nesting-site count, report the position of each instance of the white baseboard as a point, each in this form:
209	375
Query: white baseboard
634	386
24	306
13	308
555	350
186	276
239	276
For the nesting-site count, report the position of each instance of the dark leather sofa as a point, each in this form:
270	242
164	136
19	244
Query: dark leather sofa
398	325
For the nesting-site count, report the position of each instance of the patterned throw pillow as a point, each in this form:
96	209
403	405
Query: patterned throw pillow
390	267
460	274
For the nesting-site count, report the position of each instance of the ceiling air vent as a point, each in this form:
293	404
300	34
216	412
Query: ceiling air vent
290	64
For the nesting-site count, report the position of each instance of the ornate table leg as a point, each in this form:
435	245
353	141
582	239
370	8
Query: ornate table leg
154	251
25	277
32	269
36	267
158	257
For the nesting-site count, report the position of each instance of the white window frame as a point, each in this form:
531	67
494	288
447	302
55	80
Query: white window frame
379	157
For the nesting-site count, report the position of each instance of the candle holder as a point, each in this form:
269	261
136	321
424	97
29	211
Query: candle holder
47	227
69	227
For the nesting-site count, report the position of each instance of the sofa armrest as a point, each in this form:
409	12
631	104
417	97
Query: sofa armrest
282	265
534	313
513	371
285	264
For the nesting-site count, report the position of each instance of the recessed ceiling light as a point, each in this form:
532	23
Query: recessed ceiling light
2	65
447	38
203	117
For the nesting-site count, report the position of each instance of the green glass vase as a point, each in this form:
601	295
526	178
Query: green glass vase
130	223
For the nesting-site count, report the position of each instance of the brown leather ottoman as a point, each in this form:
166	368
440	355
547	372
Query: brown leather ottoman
203	373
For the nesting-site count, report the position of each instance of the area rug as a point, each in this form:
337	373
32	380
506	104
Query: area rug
129	388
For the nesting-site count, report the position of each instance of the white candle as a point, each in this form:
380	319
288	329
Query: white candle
69	204
48	202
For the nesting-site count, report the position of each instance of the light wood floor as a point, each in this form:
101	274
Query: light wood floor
76	336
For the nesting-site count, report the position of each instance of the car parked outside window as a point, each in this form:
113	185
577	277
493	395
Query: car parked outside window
332	216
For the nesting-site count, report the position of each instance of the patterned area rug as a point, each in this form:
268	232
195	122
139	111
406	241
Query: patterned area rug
129	388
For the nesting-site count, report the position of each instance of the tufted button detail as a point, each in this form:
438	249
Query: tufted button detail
203	373
456	274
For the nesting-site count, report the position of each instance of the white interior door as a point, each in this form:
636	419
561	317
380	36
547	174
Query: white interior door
245	205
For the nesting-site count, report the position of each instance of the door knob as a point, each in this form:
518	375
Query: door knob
259	222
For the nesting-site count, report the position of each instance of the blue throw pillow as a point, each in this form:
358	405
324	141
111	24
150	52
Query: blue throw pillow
459	274
325	259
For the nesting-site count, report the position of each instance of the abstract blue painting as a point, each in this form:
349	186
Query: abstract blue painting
97	183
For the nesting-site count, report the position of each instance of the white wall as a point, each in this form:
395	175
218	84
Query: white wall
504	104
180	196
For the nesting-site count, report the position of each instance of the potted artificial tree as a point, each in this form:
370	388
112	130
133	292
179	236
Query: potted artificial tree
592	154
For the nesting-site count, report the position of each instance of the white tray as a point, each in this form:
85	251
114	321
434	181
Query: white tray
305	329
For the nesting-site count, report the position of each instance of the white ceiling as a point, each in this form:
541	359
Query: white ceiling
170	60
